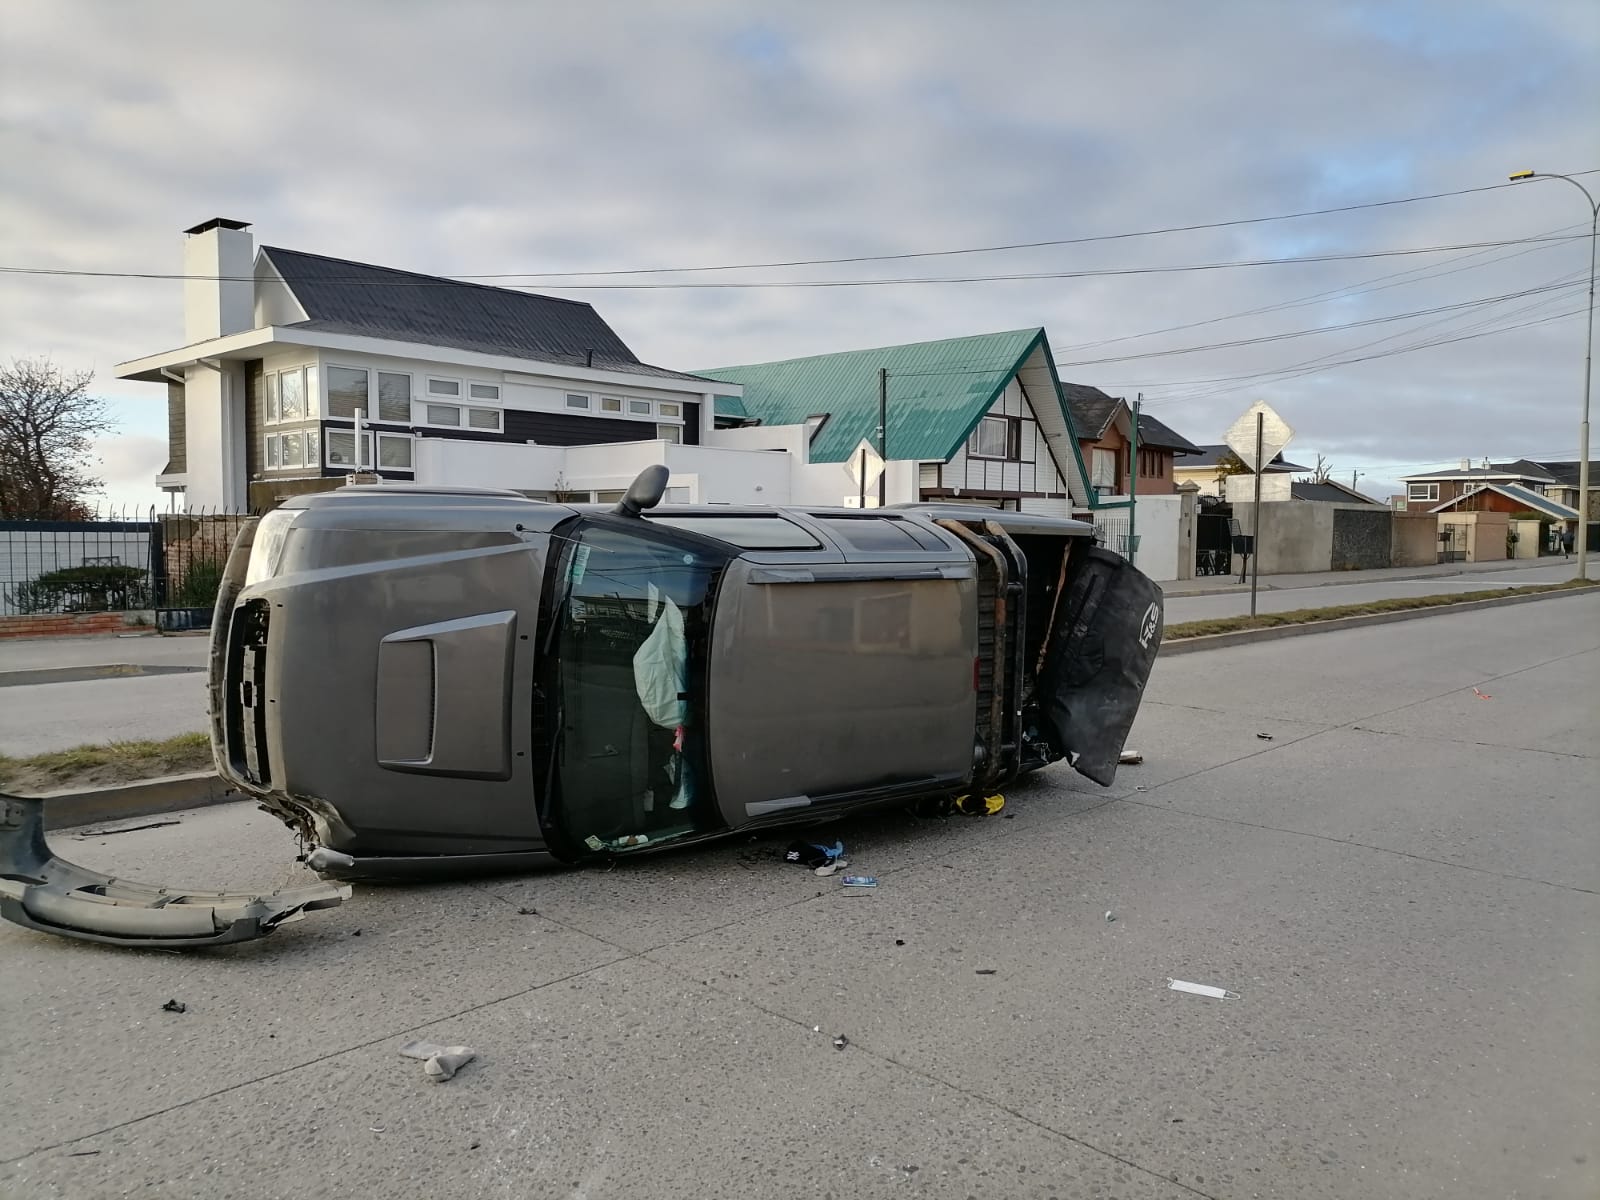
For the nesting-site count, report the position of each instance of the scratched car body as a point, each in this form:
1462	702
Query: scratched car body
426	682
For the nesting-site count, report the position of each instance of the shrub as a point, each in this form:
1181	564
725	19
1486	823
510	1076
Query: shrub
98	587
200	585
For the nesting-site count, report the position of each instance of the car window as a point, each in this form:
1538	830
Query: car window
880	533
746	532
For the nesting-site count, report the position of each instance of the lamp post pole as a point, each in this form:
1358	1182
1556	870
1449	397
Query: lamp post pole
1588	369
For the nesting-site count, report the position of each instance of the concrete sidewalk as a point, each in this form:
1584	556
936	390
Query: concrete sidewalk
1211	585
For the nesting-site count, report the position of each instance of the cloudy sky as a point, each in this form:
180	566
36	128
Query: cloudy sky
550	139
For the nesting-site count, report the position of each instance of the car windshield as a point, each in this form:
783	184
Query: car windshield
630	685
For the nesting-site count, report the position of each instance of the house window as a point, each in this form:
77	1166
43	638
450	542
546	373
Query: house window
487	420
293	450
639	408
342	447
394	396
313	396
444	387
483	391
1422	491
674	411
670	433
995	437
611	404
313	450
291	397
273	448
394	452
347	391
1103	470
577	400
270	384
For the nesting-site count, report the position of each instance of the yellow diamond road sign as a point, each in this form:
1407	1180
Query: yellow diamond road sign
1275	434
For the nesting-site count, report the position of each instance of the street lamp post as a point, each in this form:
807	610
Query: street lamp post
1588	369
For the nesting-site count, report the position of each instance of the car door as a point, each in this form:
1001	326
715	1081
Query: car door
1102	645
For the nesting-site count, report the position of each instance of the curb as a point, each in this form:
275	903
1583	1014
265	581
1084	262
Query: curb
1243	637
1354	578
147	798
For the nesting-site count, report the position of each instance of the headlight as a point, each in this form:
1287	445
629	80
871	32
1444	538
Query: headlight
267	549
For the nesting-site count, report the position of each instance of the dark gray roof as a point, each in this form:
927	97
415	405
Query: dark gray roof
1153	433
1566	473
1091	410
1328	493
360	299
1511	471
1210	453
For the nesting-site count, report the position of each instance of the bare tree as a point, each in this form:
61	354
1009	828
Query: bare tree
48	424
1323	472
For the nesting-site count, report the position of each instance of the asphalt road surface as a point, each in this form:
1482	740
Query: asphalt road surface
1400	886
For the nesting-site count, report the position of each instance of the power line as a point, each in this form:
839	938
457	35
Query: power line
1419	274
422	281
1560	284
1386	354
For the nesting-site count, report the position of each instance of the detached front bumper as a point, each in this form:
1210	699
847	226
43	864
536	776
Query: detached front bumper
42	892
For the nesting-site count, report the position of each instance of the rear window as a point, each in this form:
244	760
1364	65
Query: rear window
746	532
881	533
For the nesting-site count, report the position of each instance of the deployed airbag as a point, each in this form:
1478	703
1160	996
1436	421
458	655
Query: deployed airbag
42	892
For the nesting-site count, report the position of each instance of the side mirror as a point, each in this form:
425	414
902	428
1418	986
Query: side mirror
645	491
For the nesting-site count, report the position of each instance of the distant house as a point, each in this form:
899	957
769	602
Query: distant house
1426	492
1509	498
1205	472
1565	487
1105	425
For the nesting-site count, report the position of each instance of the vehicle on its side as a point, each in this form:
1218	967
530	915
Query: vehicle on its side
428	682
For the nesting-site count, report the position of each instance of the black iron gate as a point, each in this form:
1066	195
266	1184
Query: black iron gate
188	555
1453	542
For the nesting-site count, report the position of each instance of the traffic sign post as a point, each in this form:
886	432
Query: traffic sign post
866	466
1258	437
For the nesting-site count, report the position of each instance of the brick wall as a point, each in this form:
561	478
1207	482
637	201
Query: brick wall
68	624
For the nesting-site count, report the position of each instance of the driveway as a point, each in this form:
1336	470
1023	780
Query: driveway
1400	887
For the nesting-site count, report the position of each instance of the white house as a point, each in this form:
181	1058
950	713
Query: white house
282	349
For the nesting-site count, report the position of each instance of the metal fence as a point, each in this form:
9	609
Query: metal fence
1112	533
169	563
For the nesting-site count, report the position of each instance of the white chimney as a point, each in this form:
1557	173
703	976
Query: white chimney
218	286
1466	464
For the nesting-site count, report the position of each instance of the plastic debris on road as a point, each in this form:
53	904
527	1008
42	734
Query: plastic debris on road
1265	737
439	1062
860	881
176	1006
980	806
1130	758
840	1041
813	854
1481	695
1201	989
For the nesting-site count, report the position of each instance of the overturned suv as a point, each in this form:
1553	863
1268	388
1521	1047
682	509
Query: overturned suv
427	682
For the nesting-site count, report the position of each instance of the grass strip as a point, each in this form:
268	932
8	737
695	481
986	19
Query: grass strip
111	763
1306	616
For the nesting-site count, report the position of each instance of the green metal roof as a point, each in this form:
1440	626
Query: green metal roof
937	392
730	406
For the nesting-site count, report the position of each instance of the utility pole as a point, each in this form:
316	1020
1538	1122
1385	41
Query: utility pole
1133	479
1255	523
883	434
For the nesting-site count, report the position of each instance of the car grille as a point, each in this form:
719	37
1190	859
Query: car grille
245	692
